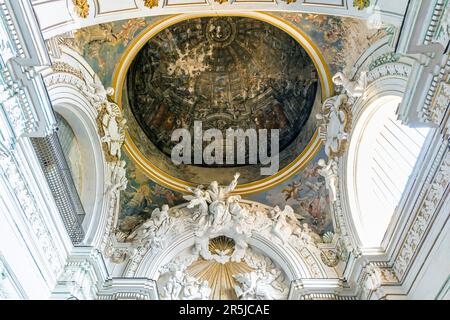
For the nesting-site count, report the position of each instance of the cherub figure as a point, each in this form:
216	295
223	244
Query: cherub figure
292	191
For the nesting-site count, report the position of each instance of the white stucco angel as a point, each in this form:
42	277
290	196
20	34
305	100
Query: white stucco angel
113	125
204	290
153	231
220	200
97	93
334	118
329	171
219	193
256	286
195	289
143	233
199	199
117	173
174	285
307	235
161	217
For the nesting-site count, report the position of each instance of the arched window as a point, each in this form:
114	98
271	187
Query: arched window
72	153
382	156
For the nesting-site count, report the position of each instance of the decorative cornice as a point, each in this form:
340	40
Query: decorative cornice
318	289
128	289
21	88
390	68
425	38
439	27
438	96
390	57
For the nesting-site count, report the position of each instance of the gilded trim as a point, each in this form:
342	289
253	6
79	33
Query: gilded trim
292	169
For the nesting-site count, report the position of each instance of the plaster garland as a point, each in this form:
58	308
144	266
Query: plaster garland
111	128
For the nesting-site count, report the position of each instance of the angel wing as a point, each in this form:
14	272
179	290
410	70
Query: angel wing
156	213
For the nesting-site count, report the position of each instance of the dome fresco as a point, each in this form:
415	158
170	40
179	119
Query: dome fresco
332	37
228	72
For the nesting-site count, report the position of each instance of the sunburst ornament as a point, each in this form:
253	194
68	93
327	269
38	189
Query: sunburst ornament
151	3
219	275
290	1
220	1
361	4
221	246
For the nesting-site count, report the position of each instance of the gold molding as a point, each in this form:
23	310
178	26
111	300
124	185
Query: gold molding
81	8
151	3
179	185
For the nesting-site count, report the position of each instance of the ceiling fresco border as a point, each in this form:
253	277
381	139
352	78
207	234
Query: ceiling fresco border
161	177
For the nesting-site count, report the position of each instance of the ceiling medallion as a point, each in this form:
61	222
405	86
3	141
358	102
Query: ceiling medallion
81	8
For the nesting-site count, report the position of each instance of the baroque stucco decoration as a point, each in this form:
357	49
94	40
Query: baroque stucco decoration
336	125
255	278
151	3
216	212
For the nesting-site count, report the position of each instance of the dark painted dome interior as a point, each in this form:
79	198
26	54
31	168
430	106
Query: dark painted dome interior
228	72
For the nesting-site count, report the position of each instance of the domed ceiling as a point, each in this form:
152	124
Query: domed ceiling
228	72
340	40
